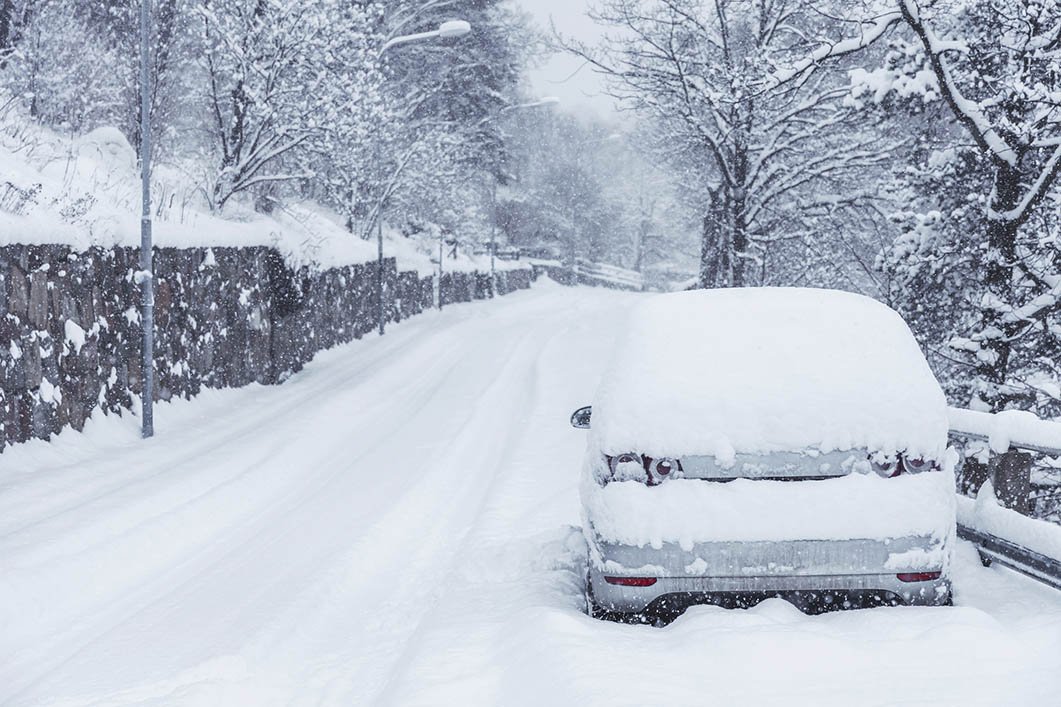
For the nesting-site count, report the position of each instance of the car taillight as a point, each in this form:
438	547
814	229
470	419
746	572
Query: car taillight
915	465
891	466
918	576
630	466
659	470
887	466
626	458
631	581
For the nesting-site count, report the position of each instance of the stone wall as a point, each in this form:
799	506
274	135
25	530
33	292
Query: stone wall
468	286
70	324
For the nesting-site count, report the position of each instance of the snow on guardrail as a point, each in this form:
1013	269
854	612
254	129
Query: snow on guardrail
985	514
1028	545
1012	428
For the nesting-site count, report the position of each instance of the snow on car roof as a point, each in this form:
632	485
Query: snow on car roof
760	370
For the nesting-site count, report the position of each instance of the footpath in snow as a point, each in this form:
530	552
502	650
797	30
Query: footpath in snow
397	525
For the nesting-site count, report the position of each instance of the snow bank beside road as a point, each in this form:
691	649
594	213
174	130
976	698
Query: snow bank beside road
85	192
760	370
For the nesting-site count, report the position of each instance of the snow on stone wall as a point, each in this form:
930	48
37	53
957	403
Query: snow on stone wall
70	323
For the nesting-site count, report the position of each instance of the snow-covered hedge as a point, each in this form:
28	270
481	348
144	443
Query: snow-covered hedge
70	323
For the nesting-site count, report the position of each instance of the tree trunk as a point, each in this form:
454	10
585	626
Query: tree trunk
643	227
7	29
712	238
1002	254
739	242
738	202
1011	478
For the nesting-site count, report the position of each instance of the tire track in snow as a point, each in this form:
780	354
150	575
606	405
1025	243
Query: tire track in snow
533	500
408	544
154	521
468	332
263	402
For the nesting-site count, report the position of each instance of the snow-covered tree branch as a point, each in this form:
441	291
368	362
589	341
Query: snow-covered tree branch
762	138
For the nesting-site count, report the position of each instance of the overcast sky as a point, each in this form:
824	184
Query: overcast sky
577	86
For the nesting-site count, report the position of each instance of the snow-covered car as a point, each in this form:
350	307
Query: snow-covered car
750	443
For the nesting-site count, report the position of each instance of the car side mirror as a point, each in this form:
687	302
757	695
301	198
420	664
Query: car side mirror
580	417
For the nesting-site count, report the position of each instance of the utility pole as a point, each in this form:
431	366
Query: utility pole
493	236
379	273
146	275
441	255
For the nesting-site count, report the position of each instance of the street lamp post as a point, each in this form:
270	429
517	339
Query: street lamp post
441	254
572	255
493	237
546	101
146	275
446	30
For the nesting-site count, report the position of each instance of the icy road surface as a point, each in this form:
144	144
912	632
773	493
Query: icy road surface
396	526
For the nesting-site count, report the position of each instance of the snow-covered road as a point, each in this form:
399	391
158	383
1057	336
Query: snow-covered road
396	525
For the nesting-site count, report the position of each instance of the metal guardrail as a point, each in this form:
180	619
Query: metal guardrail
1034	436
994	549
1010	471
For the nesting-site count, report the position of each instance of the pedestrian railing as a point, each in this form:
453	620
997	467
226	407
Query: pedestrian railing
608	275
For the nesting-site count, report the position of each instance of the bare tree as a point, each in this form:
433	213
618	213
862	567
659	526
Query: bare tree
773	157
271	68
7	29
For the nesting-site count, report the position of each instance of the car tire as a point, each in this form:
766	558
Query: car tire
596	611
619	617
593	609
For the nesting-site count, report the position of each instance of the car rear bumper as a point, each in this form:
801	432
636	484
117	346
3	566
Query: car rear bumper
829	568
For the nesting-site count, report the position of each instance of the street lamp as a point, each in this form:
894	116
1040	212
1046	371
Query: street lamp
146	275
571	246
544	101
447	30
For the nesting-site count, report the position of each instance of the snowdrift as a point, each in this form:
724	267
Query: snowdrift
84	192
